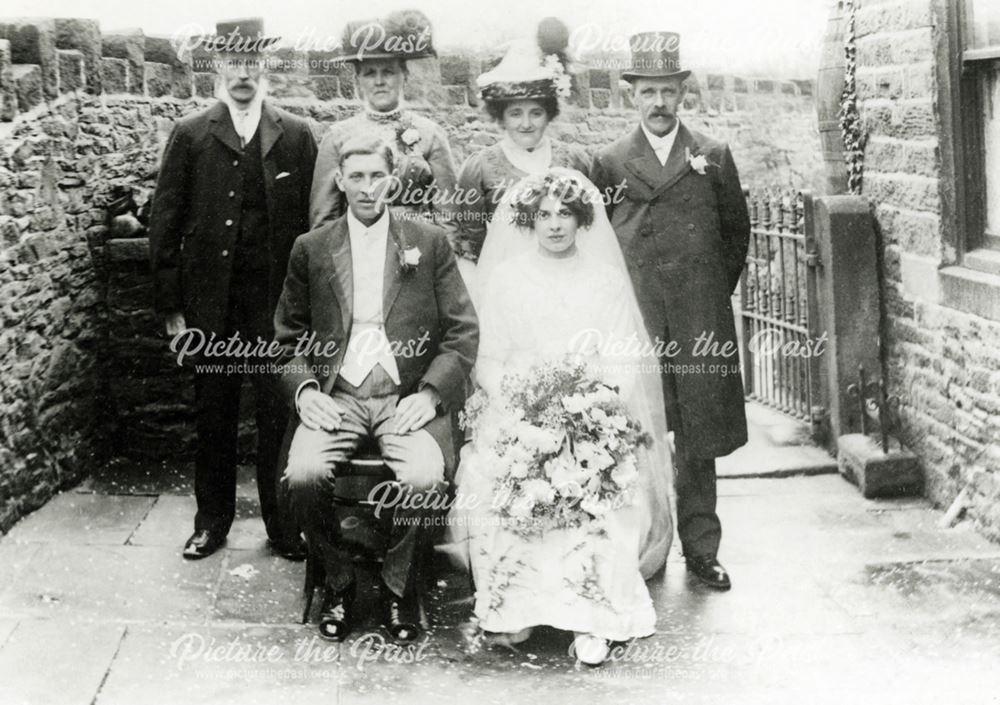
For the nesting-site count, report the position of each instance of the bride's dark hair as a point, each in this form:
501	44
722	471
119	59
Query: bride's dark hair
563	188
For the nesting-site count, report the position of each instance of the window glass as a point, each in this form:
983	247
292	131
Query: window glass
983	19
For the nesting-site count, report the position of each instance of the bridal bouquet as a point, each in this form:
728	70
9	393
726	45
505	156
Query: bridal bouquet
562	445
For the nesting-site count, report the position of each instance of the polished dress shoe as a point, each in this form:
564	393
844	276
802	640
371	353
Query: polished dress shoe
203	543
292	550
400	616
709	571
336	616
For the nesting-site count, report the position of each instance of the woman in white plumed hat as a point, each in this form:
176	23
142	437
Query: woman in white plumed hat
522	94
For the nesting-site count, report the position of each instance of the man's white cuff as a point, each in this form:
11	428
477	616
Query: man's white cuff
298	392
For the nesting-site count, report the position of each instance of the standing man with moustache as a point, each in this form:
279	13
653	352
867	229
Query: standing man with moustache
231	197
684	229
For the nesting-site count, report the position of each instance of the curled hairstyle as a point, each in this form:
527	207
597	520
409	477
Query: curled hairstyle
495	108
366	144
561	187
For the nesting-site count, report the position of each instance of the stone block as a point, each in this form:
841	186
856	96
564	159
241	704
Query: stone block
909	119
599	78
72	76
897	48
579	94
10	233
8	89
848	297
204	85
160	50
457	95
133	249
33	41
739	85
287	60
27	85
763	85
458	70
905	191
323	63
159	79
861	460
115	75
617	87
715	82
129	45
424	82
892	17
348	81
182	81
600	98
75	667
83	35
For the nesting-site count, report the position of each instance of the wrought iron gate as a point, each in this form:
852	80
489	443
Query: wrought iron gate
778	304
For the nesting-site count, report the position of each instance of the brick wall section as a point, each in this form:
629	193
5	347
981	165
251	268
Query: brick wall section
944	364
83	369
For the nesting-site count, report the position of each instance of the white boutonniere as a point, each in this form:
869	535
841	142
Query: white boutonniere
698	162
409	258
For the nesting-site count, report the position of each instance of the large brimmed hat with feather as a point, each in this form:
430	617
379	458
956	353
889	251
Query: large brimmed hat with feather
537	68
405	35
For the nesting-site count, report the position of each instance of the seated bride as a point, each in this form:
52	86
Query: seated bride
562	506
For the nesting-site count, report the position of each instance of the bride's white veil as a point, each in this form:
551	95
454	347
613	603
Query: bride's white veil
504	240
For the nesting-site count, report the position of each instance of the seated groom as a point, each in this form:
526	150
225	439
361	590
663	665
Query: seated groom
378	337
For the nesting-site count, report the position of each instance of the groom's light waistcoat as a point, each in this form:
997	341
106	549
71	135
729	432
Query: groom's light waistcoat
684	235
428	317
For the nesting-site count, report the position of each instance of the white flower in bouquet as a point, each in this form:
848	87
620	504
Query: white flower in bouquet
521	507
598	415
518	470
566	478
596	457
517	453
601	395
593	506
618	422
575	403
625	473
540	439
539	491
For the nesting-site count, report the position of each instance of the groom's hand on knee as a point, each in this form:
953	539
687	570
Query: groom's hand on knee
413	412
319	411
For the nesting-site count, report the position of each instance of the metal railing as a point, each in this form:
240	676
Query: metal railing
778	304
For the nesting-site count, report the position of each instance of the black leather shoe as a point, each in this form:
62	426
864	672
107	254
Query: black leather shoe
203	543
336	616
400	616
293	550
709	571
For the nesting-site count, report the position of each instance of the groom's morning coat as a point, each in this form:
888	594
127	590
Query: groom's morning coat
684	236
427	302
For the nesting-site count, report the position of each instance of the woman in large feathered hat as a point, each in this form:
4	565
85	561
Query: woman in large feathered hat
522	94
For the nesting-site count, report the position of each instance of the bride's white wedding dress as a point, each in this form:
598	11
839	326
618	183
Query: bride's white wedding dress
534	308
574	579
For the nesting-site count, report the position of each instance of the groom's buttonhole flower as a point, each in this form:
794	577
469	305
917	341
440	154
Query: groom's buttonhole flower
409	258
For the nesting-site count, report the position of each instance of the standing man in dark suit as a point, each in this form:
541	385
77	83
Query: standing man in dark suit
232	196
683	225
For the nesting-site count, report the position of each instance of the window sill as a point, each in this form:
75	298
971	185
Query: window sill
970	290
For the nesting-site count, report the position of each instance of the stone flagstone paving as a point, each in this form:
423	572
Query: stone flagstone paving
836	599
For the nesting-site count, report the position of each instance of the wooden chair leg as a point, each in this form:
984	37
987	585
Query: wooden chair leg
309	588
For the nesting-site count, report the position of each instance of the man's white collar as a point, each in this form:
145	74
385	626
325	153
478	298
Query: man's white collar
357	228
